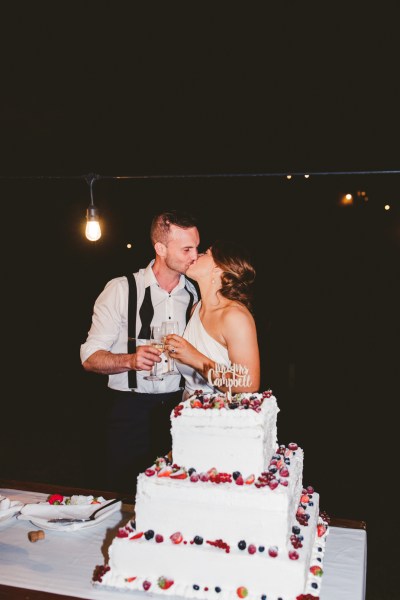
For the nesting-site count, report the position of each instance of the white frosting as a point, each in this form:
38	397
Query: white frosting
230	440
133	561
224	510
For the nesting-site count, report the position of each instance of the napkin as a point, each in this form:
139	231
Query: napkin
5	503
40	512
8	508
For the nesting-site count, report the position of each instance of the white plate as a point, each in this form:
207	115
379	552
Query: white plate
41	521
6	515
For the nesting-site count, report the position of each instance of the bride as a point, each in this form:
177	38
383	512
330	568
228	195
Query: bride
221	330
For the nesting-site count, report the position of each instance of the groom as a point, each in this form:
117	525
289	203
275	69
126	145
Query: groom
138	425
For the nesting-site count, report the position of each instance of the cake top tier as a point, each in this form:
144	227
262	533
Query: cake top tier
244	401
213	430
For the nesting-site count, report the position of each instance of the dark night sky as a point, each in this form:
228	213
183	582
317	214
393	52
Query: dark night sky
175	91
95	89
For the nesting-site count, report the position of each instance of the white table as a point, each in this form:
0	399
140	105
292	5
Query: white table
63	563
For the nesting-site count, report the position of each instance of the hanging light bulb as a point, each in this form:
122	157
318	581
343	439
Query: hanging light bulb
93	231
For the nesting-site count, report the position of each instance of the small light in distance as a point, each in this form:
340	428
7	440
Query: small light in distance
288	177
387	207
346	200
129	246
306	176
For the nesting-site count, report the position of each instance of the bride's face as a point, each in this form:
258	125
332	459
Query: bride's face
202	267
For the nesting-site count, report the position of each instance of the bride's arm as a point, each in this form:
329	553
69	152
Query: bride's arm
239	333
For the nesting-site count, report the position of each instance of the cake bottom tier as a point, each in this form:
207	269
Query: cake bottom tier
178	567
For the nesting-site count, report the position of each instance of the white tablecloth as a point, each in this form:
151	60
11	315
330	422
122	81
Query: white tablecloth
63	563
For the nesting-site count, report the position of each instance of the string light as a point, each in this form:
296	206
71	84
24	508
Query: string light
93	230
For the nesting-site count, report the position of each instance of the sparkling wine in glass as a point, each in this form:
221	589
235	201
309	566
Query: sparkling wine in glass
169	327
157	341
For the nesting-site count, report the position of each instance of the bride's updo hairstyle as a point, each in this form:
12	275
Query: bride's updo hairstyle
238	274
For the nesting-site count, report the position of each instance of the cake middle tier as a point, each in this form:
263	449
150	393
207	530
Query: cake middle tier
263	509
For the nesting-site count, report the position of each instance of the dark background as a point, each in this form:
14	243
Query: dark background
209	110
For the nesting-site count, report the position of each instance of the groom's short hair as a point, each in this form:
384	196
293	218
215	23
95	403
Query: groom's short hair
161	224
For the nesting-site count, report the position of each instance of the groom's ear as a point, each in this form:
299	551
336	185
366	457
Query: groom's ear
160	249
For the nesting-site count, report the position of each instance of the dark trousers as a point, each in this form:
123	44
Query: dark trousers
138	431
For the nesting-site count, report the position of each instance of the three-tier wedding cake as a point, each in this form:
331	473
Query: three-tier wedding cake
228	516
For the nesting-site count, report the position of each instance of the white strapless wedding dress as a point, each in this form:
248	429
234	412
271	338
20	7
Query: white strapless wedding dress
196	334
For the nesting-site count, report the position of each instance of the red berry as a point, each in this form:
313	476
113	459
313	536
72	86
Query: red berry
239	480
242	592
273	551
159	538
176	538
316	570
146	585
252	549
321	529
164	583
293	555
122	533
55	499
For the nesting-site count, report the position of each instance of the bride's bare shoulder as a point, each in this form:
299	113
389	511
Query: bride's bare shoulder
236	313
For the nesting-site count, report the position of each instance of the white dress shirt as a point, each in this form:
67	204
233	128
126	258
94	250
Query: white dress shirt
109	329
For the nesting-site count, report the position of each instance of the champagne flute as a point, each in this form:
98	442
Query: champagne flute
169	327
156	340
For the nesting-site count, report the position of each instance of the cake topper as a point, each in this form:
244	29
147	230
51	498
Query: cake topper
230	375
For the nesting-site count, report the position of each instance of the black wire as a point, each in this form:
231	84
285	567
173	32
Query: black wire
92	177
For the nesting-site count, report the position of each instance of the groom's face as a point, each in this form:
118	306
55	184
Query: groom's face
181	248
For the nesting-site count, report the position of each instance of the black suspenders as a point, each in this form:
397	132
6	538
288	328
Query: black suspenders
132	306
146	313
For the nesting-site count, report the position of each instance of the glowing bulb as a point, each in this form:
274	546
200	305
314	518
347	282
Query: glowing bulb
306	176
93	231
387	206
349	197
129	246
288	177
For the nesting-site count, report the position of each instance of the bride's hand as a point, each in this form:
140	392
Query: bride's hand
181	350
